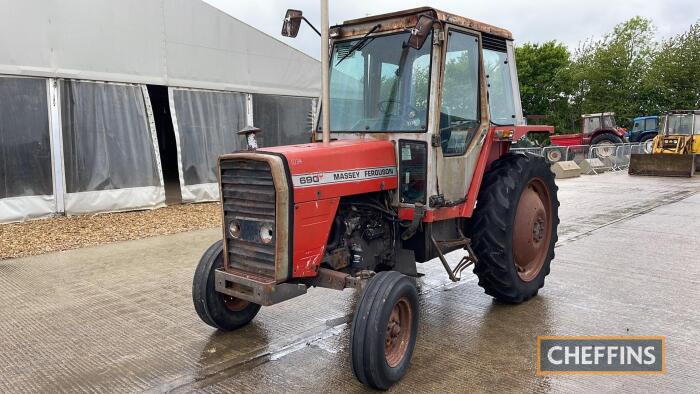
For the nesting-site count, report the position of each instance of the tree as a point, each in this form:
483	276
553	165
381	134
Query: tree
607	74
542	73
673	79
625	72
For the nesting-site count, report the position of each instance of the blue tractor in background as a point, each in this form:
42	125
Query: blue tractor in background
645	129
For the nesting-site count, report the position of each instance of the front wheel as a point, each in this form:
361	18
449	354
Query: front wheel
218	310
554	155
647	143
384	330
514	227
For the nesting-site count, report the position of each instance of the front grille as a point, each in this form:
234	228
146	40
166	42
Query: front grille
248	196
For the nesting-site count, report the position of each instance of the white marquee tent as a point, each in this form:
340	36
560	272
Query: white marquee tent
102	102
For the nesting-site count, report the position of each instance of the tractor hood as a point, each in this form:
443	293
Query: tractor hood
340	168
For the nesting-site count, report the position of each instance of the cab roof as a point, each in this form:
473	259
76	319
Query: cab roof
439	15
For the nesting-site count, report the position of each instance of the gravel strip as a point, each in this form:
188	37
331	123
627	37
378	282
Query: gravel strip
64	233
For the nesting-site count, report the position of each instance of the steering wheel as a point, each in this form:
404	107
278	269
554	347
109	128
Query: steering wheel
385	105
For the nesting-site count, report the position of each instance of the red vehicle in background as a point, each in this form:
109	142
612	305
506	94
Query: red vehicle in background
595	129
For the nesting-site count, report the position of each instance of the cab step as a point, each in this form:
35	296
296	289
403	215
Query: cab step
455	274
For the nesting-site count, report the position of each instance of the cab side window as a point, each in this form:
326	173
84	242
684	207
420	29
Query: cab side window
651	124
459	110
591	124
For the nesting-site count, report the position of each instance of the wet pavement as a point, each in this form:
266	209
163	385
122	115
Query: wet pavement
119	318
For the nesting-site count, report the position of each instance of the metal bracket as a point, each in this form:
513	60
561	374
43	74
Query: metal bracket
435	141
418	213
337	280
455	274
254	288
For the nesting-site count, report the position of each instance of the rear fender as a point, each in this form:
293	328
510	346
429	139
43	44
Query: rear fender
614	133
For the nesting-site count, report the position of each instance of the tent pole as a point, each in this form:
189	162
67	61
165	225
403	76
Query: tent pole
59	178
325	81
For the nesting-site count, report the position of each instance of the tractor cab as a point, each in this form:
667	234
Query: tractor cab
592	123
680	133
601	125
436	101
644	129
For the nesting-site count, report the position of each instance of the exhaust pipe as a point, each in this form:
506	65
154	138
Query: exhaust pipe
325	74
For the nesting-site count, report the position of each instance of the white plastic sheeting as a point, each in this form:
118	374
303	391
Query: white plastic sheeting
205	123
110	150
98	130
184	43
26	189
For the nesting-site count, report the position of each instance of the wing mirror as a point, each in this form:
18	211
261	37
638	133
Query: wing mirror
291	23
420	32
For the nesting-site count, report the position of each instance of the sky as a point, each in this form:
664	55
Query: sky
569	22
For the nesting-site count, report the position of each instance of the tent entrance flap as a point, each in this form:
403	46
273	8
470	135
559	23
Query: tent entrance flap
167	145
205	125
109	147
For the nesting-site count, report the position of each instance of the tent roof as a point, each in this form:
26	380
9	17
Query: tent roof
185	43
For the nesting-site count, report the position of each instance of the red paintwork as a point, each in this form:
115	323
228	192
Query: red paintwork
491	151
566	139
315	206
339	155
583	139
312	224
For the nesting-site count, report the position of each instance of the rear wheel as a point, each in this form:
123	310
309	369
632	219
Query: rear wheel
605	144
384	330
514	227
216	309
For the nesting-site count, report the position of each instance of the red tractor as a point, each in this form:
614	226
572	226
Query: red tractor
419	110
599	130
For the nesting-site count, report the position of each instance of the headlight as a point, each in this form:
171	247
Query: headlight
266	233
234	228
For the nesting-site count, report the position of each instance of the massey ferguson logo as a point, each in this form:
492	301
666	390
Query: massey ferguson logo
323	178
340	176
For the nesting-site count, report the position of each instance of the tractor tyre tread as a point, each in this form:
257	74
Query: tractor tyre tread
491	226
367	337
208	302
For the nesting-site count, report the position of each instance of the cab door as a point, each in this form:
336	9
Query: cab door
463	122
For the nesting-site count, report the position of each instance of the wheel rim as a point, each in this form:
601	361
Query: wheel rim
554	156
532	230
604	149
648	144
234	304
398	332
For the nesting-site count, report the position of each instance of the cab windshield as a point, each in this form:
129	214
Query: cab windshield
682	124
382	85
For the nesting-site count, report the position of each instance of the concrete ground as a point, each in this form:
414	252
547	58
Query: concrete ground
119	317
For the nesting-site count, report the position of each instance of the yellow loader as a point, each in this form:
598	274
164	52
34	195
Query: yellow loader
674	150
